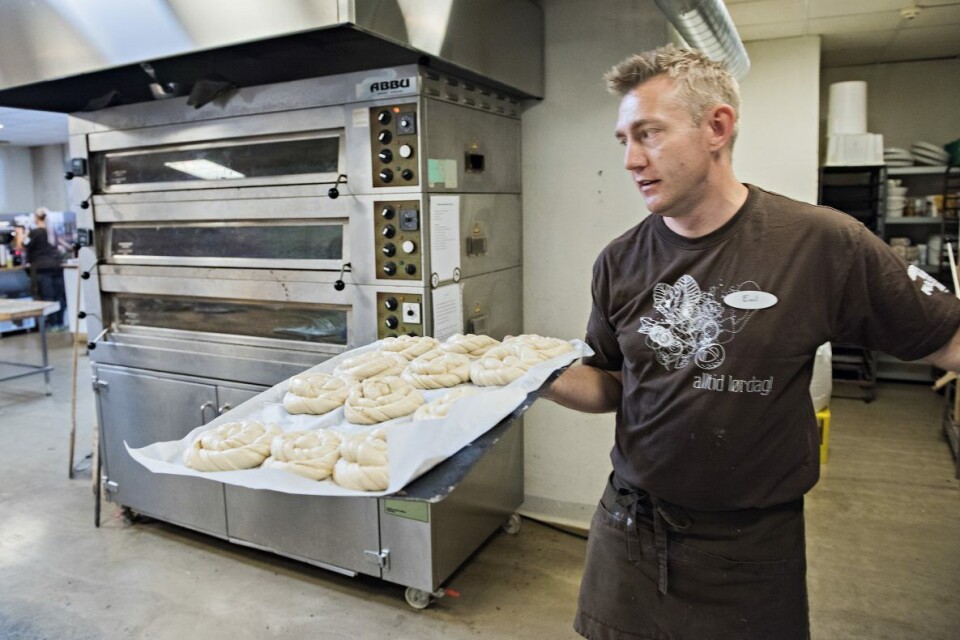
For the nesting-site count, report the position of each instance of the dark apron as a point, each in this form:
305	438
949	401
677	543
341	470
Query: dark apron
661	572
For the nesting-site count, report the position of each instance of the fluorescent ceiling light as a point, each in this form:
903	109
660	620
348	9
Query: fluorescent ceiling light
205	170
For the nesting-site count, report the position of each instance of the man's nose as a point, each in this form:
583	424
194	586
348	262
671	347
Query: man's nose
634	156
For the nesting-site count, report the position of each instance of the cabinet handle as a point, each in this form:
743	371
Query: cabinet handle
203	411
222	410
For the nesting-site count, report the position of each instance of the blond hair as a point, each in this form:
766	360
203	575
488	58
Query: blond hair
702	83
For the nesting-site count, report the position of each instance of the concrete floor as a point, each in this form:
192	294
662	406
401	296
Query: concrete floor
883	530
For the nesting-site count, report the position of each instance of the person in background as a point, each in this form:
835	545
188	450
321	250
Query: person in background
46	261
706	317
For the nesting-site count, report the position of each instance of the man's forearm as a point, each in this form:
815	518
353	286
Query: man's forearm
587	389
948	356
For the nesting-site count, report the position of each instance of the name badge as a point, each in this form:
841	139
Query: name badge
750	300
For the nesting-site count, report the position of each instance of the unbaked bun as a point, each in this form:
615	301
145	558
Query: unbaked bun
380	399
502	365
469	345
438	370
438	408
372	364
409	347
548	347
233	445
363	464
310	454
315	393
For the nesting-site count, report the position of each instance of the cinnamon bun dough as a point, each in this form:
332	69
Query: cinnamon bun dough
233	445
502	365
363	463
409	347
547	347
311	454
315	393
438	408
372	364
379	399
438	370
470	344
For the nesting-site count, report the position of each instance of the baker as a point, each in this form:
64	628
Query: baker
706	317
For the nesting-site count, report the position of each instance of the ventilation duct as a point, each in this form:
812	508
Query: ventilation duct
706	25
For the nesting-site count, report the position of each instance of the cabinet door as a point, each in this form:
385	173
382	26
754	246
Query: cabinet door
139	409
232	397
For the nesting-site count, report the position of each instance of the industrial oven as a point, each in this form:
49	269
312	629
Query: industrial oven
239	244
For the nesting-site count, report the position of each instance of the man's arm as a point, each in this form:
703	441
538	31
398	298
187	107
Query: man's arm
587	389
947	357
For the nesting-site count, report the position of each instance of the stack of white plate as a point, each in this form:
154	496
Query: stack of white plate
897	157
896	198
929	154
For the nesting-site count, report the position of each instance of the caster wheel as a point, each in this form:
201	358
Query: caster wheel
512	525
129	515
416	598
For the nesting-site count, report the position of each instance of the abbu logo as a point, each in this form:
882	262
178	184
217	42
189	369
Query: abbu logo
387	85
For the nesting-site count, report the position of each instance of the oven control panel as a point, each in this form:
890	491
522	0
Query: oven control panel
399	314
396	239
393	145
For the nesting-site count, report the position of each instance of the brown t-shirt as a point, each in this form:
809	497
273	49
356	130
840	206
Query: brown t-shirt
716	411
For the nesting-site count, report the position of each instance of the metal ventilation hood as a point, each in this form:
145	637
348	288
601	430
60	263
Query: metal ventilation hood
68	55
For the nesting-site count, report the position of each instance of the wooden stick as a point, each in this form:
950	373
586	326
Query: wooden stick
944	380
956	290
76	347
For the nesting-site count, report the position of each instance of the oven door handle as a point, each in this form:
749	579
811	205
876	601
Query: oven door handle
203	411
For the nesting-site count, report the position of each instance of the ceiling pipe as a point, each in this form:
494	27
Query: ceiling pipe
706	25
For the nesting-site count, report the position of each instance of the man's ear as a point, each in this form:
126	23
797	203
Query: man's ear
721	119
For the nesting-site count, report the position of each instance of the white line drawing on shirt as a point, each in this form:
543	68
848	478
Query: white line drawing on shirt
928	284
694	325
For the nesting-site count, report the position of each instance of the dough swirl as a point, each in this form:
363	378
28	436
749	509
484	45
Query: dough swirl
409	347
363	465
469	345
315	393
377	400
233	445
311	454
438	408
372	364
437	370
548	347
502	365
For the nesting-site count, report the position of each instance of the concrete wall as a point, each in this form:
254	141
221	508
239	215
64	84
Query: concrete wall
577	197
906	101
32	177
49	186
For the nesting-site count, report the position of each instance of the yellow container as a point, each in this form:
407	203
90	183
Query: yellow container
823	422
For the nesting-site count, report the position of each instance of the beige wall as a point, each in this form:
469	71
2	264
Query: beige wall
906	101
32	177
16	180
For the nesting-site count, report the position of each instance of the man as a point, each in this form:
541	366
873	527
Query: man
706	318
47	263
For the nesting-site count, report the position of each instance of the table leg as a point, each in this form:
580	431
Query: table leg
43	349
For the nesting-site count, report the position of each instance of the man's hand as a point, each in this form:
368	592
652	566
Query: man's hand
587	389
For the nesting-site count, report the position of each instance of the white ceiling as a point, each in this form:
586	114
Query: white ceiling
852	32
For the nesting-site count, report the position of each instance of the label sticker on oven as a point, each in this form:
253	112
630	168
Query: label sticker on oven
375	87
361	118
124	248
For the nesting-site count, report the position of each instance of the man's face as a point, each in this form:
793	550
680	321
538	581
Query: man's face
666	154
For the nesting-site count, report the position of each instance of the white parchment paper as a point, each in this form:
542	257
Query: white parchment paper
413	446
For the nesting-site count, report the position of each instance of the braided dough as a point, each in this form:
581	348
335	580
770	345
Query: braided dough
377	400
372	364
233	445
548	347
504	364
469	345
438	370
439	407
310	454
409	347
363	465
315	393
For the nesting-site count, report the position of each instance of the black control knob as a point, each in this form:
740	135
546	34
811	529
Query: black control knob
411	269
390	269
391	304
385	137
69	175
389	250
384	117
385	156
387	212
407	174
389	231
386	175
391	322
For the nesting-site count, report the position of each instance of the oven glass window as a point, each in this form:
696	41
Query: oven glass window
225	162
327	325
269	241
